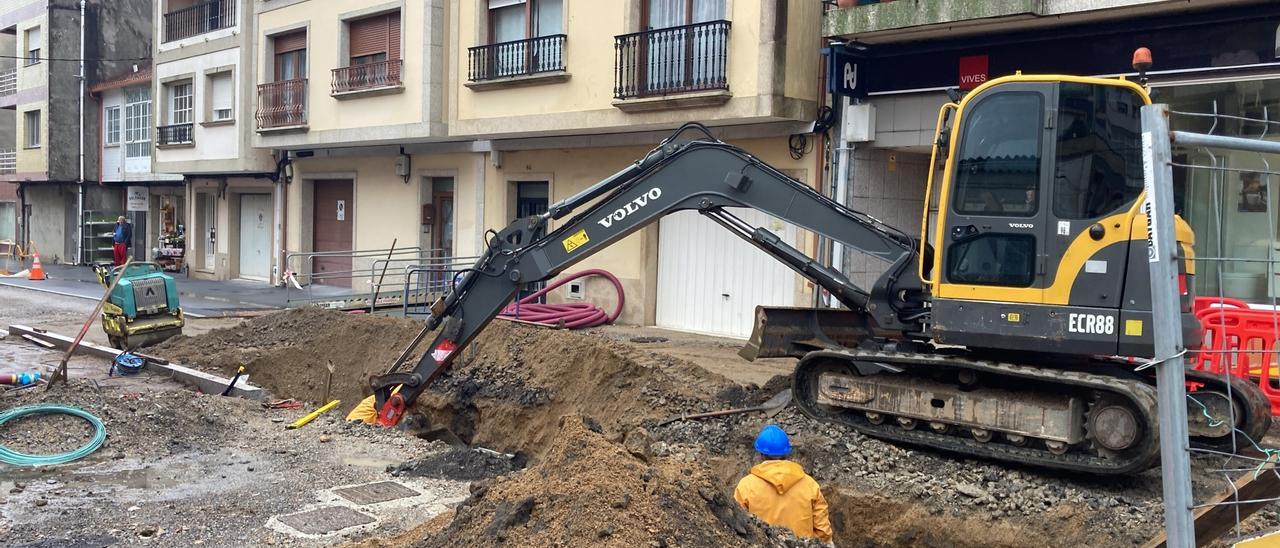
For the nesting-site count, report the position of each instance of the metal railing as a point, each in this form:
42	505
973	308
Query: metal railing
367	76
516	58
176	134
199	19
424	283
282	104
8	162
672	60
372	279
9	81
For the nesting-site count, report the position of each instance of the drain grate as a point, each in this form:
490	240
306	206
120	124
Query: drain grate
322	521
373	493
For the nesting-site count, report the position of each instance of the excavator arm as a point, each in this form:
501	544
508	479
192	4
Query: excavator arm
703	174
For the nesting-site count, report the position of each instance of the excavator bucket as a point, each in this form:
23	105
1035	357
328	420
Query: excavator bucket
781	332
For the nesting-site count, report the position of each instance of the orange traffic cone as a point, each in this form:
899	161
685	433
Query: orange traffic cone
37	271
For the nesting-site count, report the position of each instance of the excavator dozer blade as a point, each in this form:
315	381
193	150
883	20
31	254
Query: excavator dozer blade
781	332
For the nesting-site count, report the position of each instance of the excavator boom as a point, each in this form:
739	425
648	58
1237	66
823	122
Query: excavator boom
702	174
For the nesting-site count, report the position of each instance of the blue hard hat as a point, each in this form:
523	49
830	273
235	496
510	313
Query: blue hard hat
773	442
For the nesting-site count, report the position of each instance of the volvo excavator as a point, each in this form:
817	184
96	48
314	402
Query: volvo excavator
1007	335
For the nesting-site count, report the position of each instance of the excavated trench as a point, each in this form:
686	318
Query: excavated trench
582	409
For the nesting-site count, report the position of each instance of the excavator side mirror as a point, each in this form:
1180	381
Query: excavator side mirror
954	94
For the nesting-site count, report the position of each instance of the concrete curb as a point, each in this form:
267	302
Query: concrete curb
207	383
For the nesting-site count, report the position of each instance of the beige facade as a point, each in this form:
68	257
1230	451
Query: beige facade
501	127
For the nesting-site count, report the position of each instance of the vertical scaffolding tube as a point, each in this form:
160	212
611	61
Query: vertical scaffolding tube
1166	322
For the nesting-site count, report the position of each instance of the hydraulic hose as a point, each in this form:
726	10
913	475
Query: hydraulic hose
8	456
569	315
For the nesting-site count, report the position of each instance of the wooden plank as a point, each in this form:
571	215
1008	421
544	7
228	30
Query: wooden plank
1211	522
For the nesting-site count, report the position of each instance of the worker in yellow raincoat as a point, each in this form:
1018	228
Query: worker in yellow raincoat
366	412
779	492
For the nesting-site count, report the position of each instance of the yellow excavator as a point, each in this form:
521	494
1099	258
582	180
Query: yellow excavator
999	339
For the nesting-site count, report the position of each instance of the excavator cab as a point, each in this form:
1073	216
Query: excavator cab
1040	233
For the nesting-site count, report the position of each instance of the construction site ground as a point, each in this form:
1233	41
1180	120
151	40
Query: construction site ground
574	455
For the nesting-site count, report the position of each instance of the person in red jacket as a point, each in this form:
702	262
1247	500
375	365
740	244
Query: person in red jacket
121	239
779	492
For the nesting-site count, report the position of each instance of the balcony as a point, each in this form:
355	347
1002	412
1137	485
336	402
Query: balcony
534	60
199	19
282	105
8	162
679	60
382	76
175	135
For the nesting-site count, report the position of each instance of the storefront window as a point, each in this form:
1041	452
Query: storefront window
1233	214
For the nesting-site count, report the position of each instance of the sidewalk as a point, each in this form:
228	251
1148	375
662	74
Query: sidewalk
200	298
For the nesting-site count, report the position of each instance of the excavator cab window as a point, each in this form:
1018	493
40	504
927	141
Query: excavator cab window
996	198
1098	169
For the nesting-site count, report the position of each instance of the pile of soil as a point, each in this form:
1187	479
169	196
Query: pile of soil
288	352
586	491
511	391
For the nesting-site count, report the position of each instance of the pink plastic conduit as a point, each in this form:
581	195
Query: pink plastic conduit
569	315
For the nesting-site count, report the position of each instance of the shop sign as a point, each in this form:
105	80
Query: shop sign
973	71
137	199
846	73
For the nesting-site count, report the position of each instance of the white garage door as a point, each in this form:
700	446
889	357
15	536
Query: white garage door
710	281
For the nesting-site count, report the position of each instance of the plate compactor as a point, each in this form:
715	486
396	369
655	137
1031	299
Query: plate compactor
143	308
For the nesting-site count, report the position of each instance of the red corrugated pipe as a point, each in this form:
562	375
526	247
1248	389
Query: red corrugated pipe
569	315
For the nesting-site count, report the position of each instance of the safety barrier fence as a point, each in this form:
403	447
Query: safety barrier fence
1223	174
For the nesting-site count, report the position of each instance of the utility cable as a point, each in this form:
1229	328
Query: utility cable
9	456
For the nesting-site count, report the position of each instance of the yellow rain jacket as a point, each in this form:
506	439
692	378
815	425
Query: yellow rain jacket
780	493
365	412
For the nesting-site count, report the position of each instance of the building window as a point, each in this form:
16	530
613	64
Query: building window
221	97
684	47
284	102
373	54
137	122
8	221
180	103
33	45
31	126
112	122
525	37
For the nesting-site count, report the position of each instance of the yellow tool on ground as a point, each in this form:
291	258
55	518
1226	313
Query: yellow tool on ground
312	416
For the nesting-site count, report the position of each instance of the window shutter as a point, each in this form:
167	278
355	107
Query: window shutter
393	35
222	95
33	38
369	36
291	42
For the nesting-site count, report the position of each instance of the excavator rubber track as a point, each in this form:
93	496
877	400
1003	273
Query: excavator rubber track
1085	455
1252	411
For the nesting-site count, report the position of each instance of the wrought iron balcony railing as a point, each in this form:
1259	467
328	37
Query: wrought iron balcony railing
672	60
199	19
516	58
176	134
282	104
367	76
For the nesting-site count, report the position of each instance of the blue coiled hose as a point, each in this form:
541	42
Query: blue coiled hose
22	459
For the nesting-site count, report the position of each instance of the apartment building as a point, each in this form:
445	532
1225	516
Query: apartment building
430	122
152	201
204	95
1210	56
354	94
48	159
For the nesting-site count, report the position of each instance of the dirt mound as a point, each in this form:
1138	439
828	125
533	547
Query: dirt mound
586	491
288	352
510	392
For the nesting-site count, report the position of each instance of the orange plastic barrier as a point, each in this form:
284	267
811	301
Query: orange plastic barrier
1240	341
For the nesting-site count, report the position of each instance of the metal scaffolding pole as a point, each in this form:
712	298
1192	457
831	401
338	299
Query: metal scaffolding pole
1175	460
